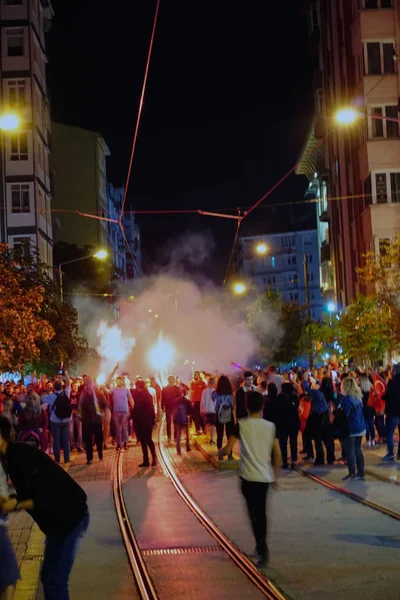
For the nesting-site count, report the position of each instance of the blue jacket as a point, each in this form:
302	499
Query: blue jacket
352	408
319	405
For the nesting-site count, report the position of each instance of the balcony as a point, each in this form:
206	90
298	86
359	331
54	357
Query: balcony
380	154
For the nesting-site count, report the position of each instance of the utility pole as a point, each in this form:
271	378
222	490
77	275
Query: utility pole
306	283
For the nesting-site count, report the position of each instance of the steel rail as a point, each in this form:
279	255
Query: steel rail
142	578
245	565
352	495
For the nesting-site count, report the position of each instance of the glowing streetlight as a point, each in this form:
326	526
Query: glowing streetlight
262	249
331	307
347	116
239	288
100	254
9	122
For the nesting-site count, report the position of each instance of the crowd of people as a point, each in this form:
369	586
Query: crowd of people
265	413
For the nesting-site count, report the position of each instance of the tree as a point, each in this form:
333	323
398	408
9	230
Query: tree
66	344
381	272
22	325
278	326
368	329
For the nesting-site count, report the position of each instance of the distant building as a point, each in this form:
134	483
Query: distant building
355	45
80	183
282	267
134	266
25	217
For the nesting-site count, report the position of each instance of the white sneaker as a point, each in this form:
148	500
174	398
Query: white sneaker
373	443
369	443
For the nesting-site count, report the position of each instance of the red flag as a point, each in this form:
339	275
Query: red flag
379	384
377	393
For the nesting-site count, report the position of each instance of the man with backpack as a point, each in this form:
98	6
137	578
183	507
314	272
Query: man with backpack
60	411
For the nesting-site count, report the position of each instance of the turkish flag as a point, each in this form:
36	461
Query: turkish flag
376	393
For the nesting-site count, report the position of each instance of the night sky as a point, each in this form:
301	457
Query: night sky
227	106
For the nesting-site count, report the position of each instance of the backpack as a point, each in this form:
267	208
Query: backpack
225	411
62	406
340	425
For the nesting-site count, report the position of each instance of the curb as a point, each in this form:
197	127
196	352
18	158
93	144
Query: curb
381	477
223	465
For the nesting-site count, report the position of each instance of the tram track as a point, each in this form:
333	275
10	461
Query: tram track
145	586
348	494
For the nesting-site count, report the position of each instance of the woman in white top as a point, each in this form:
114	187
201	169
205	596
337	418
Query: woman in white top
260	459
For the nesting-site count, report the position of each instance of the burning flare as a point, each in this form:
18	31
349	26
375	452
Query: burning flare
112	346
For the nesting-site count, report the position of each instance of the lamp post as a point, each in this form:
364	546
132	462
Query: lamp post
8	122
101	254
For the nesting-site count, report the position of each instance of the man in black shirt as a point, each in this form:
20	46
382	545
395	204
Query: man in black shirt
169	396
54	500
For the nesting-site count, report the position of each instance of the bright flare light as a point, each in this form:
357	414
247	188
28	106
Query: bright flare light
261	248
112	346
239	288
100	254
9	122
101	379
162	354
347	116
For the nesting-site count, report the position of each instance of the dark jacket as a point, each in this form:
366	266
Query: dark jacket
392	397
89	411
143	414
287	415
169	395
241	403
59	502
319	406
352	408
182	410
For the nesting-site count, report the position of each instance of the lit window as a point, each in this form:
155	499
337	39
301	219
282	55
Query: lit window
19	146
20	198
15	41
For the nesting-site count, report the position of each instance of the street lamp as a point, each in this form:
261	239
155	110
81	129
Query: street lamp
101	254
239	288
262	249
347	116
9	122
331	307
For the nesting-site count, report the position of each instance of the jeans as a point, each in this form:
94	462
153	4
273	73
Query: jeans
354	455
179	429
283	440
60	433
321	433
90	431
75	437
255	494
380	426
220	431
59	556
144	436
120	420
197	417
391	424
168	418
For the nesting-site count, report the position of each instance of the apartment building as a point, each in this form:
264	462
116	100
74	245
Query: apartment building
281	268
355	43
26	194
80	183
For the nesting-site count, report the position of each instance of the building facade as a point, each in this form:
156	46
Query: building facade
282	268
26	194
80	183
355	43
134	264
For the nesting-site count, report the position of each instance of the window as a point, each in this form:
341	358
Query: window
293	297
19	146
395	187
380	58
293	277
392	127
310	276
15	41
387	188
291	260
20	198
309	258
16	93
269	280
21	246
289	241
383	246
377	122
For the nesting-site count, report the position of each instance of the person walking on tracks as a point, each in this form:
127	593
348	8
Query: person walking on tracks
54	500
144	418
258	468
